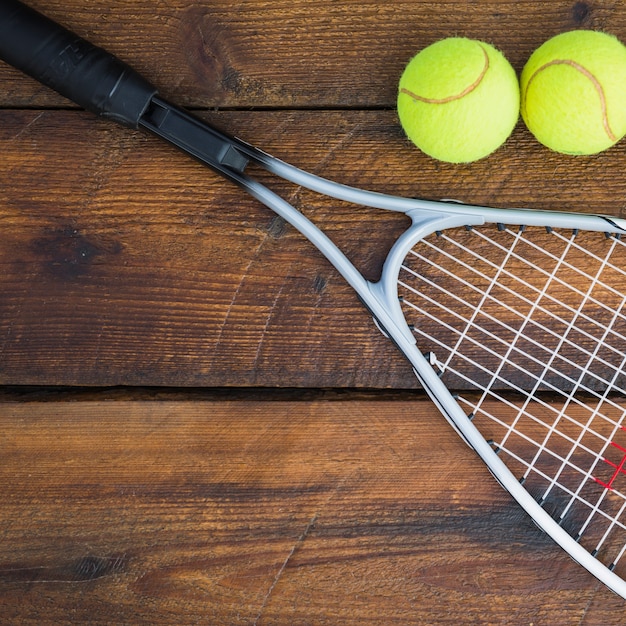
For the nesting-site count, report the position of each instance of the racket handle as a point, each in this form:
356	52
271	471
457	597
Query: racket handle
85	74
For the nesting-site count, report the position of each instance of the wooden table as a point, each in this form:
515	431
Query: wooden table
199	422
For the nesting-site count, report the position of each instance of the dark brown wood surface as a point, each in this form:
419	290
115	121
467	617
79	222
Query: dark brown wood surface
309	510
257	498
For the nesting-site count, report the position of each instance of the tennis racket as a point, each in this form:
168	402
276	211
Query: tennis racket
514	321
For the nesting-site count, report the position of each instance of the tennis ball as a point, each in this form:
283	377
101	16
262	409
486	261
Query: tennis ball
458	100
573	91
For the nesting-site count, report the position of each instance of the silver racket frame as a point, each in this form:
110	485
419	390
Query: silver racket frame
381	298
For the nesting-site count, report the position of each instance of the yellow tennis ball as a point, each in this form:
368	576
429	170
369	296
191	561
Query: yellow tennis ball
458	100
574	92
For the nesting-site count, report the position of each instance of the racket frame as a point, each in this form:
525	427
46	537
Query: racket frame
381	297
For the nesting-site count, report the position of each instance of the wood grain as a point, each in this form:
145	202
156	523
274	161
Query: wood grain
256	498
123	262
254	511
300	53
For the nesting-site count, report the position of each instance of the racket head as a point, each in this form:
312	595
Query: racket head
521	316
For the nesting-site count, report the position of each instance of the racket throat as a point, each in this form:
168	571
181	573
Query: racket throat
194	137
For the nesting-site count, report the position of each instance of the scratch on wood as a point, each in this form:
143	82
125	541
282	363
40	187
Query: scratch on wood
224	324
268	321
583	617
299	541
335	148
279	574
253	259
27	126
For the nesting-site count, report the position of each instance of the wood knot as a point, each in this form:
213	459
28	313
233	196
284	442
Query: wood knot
580	13
67	253
216	56
319	284
93	567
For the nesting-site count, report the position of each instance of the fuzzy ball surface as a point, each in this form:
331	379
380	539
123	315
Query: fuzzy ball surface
458	100
573	90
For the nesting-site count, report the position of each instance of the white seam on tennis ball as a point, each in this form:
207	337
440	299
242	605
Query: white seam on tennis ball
594	81
458	96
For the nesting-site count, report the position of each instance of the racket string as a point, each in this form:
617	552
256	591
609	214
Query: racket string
571	400
548	366
477	366
517	278
528	328
575	495
541	327
586	428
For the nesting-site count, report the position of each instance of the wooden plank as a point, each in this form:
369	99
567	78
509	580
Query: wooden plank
124	262
338	510
298	53
204	271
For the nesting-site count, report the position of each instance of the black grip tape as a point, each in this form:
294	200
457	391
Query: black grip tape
78	70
